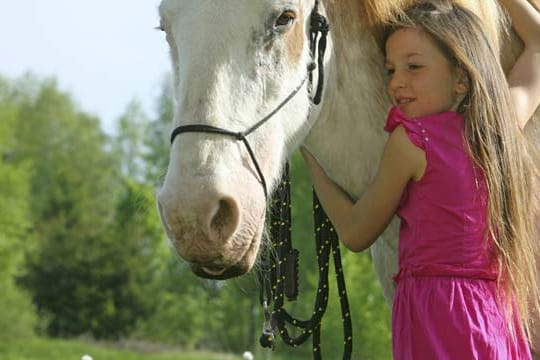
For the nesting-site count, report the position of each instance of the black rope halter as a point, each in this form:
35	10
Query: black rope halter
318	25
240	136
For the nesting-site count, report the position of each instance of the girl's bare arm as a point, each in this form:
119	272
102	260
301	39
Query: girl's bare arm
524	78
359	223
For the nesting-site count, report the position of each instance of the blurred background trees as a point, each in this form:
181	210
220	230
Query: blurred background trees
83	253
17	313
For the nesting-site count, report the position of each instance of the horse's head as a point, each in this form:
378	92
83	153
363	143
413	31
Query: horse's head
234	62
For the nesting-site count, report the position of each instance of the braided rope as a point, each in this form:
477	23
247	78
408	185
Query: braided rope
279	276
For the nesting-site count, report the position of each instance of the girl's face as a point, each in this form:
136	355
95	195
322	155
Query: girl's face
421	81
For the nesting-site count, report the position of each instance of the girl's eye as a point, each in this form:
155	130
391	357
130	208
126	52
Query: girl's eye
285	19
390	72
414	67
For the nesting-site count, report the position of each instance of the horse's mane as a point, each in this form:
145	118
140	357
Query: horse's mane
377	13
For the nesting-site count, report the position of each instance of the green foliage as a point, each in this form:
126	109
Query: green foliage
121	275
184	305
97	246
71	198
129	143
16	311
47	349
369	309
72	170
157	134
197	313
237	303
106	284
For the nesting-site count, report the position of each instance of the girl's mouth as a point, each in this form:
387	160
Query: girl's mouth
401	101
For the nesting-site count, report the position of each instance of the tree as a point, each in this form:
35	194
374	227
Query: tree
75	183
129	142
17	315
131	263
157	136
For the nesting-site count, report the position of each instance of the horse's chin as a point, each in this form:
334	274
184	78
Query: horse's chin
243	266
219	273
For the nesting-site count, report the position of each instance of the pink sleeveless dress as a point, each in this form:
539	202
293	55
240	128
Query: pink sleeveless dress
446	306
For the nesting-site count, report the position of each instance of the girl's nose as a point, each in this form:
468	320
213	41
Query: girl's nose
396	81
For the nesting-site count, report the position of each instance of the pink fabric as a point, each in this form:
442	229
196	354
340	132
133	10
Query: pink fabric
446	305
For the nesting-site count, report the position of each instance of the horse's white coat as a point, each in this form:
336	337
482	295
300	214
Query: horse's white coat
231	67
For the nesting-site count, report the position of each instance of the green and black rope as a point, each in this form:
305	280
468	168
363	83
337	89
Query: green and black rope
279	276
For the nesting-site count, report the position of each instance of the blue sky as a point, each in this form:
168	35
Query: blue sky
105	53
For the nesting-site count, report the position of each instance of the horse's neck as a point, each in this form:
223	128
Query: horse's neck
350	124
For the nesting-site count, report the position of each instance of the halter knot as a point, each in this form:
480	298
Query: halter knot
319	23
241	135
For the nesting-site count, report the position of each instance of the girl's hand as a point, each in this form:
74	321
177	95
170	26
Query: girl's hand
316	170
308	157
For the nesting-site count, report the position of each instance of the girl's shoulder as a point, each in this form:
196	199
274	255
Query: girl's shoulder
405	149
396	120
423	130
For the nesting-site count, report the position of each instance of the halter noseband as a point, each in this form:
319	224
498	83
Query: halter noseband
318	25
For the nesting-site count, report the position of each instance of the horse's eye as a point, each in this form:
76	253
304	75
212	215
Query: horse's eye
285	19
161	26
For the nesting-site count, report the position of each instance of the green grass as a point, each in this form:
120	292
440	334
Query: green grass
47	349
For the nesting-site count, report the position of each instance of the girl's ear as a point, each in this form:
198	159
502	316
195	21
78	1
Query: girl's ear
462	82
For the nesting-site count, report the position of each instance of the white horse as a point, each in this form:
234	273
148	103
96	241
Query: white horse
234	61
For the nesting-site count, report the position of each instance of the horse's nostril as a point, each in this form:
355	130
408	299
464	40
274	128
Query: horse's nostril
225	220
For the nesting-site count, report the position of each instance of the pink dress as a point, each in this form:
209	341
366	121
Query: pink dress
445	306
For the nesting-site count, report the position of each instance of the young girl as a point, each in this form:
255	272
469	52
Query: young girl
459	173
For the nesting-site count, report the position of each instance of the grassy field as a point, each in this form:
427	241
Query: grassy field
47	349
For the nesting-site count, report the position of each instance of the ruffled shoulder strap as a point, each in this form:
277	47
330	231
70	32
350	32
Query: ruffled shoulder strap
396	117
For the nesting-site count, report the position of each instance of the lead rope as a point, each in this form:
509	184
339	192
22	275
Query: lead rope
279	276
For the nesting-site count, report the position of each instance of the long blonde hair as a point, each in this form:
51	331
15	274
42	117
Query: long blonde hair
496	144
